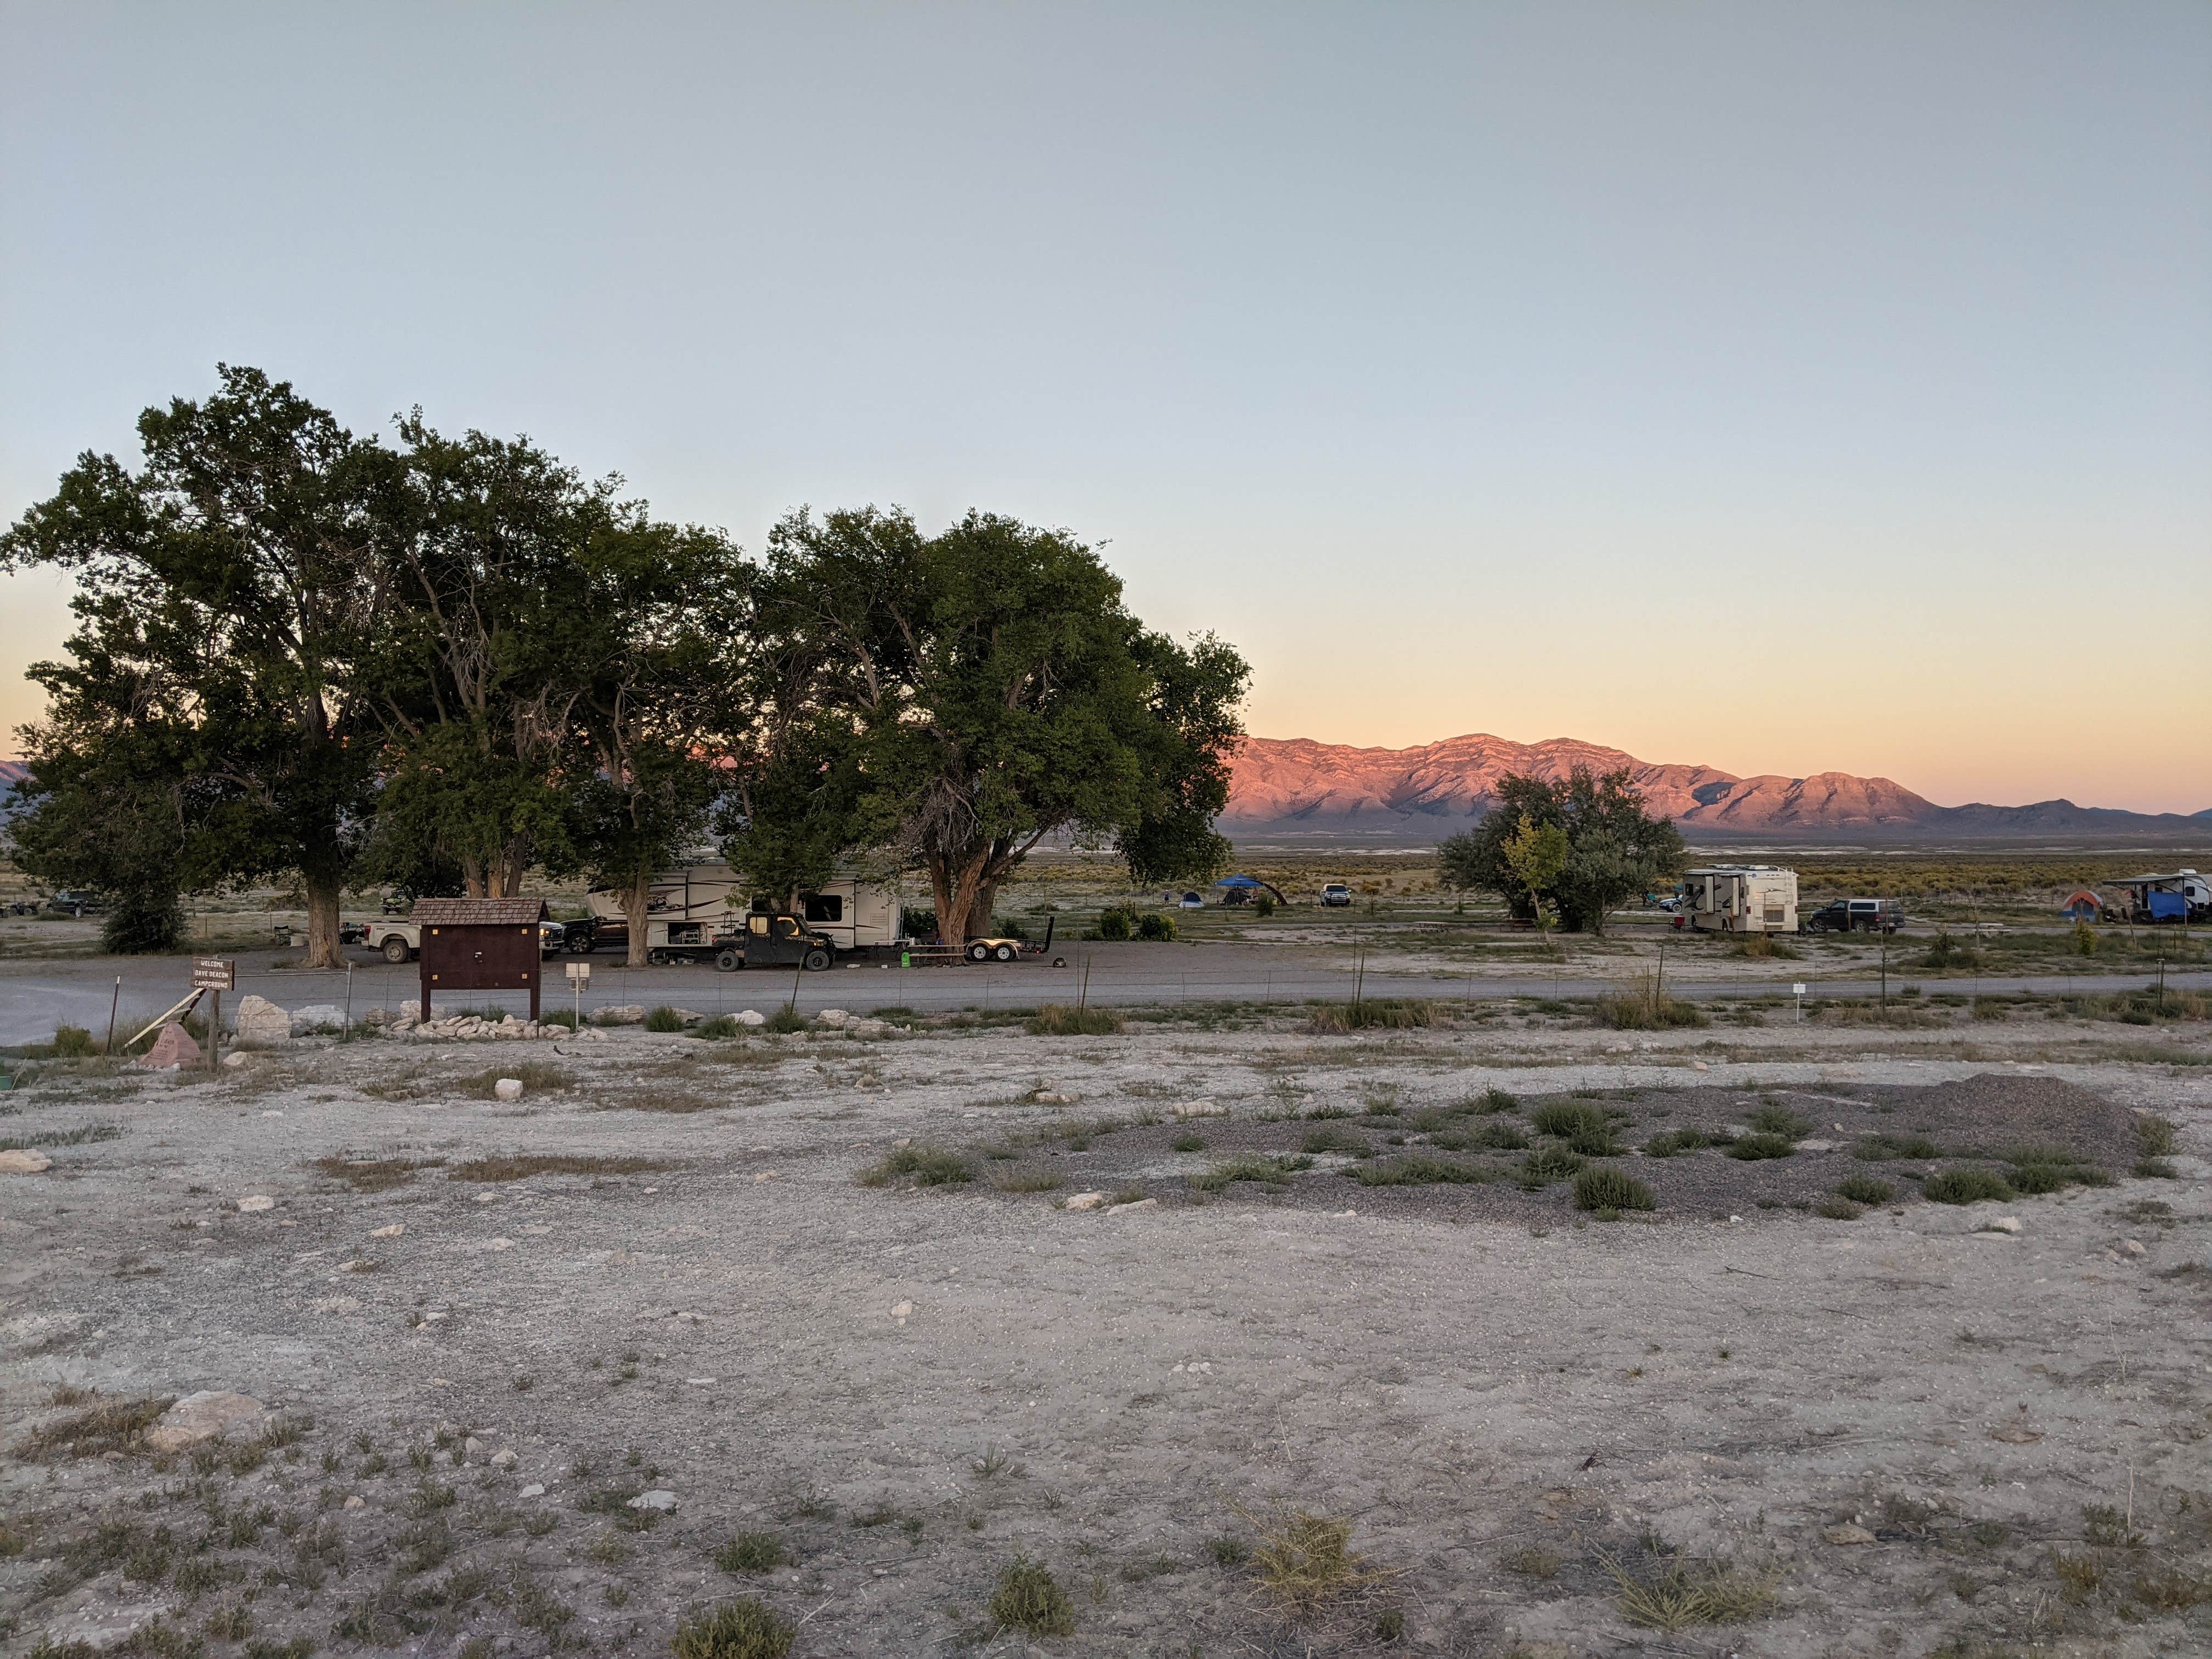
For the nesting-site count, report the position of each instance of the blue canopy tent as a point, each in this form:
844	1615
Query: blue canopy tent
1241	889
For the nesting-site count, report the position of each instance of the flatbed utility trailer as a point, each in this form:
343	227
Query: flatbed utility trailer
1740	898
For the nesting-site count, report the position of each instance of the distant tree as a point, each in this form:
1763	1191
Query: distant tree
224	594
957	699
1535	855
109	814
1614	847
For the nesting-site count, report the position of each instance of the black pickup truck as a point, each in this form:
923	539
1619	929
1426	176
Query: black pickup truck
1853	916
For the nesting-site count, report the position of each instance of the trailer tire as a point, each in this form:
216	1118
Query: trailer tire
1005	953
656	958
979	952
728	962
815	960
395	949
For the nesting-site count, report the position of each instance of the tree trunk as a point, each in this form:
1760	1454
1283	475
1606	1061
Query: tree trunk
473	878
956	888
635	899
323	892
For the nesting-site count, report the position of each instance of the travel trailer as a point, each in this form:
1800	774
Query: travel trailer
689	910
1740	898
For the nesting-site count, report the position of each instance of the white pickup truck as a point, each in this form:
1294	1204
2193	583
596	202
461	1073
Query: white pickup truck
399	941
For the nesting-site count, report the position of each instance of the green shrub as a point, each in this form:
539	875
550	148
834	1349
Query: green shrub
1263	905
71	1042
1836	1208
1968	1186
1385	1013
1548	1164
1864	1189
1493	1099
743	1629
1114	924
1883	1148
664	1019
2037	1169
1334	1138
1775	1119
1249	1166
1584	1127
1065	1019
721	1027
1645	1007
565	1018
1604	1187
2154	1136
1484	1138
1027	1599
920	1166
785	1021
1418	1170
751	1551
1668	1142
1754	1146
1152	924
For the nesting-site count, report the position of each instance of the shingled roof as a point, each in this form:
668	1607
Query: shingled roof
479	913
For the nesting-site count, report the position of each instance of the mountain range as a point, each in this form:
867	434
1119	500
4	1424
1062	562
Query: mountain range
1291	785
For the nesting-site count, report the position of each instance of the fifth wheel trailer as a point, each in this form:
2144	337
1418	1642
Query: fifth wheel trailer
687	909
1740	898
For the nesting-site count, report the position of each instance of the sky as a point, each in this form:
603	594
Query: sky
1782	388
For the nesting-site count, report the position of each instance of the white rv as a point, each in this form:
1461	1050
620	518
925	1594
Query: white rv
687	909
1740	898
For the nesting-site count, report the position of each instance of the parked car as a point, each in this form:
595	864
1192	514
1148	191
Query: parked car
1336	893
77	903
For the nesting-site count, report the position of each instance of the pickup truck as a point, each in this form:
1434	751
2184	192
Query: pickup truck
1336	893
400	941
1858	915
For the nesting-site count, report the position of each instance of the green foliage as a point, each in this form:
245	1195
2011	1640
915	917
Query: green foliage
1153	924
1614	849
1249	1166
743	1628
1759	1145
1602	1186
1583	1126
1063	1019
1372	1014
784	1022
1669	1142
753	1552
664	1019
1645	1006
1775	1119
920	1166
1883	1147
2037	1169
2154	1136
1115	922
1419	1170
1029	1599
1865	1189
1965	1185
72	1042
1546	1164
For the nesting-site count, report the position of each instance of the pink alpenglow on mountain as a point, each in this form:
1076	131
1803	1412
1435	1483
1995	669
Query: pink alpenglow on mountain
1294	783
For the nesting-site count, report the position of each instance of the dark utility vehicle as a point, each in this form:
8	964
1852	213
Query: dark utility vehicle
1854	916
773	940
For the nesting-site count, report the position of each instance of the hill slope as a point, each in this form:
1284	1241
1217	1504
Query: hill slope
1295	783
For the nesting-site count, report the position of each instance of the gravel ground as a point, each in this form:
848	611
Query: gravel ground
1907	1435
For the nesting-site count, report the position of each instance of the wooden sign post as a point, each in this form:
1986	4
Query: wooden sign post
215	976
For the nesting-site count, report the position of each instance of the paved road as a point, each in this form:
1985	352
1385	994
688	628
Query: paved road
37	996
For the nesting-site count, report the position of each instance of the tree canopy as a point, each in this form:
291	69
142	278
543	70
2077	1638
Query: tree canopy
1613	847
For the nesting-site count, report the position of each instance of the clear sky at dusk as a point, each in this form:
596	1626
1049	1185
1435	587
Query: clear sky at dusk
1787	388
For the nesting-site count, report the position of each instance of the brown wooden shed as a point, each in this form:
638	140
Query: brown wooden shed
480	944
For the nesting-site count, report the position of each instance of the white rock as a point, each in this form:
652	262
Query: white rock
472	1447
259	1020
503	1459
621	1013
356	1502
658	1498
2134	1247
868	1028
535	1489
412	1009
486	1198
203	1416
750	1018
1082	1200
508	1088
1140	1204
392	1232
235	1059
1204	1108
1847	1534
255	1204
901	1311
833	1017
2003	1224
25	1160
1049	1097
318	1017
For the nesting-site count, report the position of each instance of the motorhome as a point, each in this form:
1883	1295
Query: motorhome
1740	898
687	909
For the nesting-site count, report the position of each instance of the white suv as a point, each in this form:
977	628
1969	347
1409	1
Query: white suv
1336	893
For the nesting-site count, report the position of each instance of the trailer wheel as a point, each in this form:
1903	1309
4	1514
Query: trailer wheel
815	960
1005	953
656	958
727	962
395	948
979	952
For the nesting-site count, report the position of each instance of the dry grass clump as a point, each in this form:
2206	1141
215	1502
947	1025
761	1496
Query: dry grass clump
112	1426
1645	1006
1865	1189
751	1551
1029	1599
522	1166
1584	1127
918	1166
1305	1560
1249	1166
1684	1594
1382	1014
373	1174
2154	1136
1335	1138
743	1629
1546	1164
1419	1169
535	1075
1883	1148
1065	1019
1965	1187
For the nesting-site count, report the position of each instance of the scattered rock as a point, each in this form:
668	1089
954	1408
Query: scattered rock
486	1198
255	1203
901	1311
750	1018
25	1160
1140	1204
833	1018
2016	1434
172	1049
473	1447
535	1489
504	1459
508	1088
318	1017
2134	1247
1847	1534
2003	1224
868	1028
658	1498
1084	1200
1051	1097
621	1013
259	1020
236	1057
392	1232
356	1502
1198	1109
203	1416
